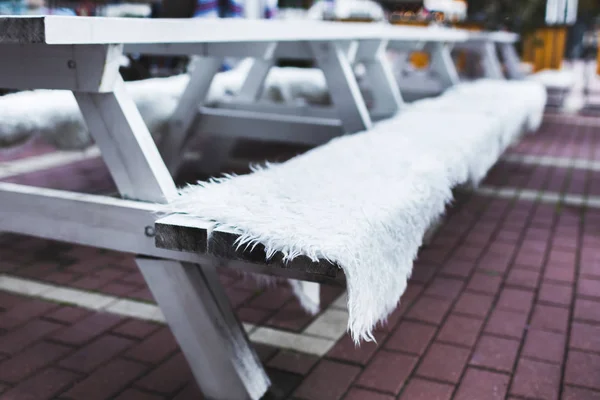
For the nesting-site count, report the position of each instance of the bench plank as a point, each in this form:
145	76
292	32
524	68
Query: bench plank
188	234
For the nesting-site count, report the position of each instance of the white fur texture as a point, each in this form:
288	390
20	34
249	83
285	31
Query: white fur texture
554	79
346	9
363	201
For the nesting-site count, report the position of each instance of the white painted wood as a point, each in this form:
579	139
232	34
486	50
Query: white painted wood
114	224
495	37
491	64
126	145
93	68
254	125
442	64
511	61
192	300
254	82
99	30
263	50
180	123
386	94
265	107
343	88
214	342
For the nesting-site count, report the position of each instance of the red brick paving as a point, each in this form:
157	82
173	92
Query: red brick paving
504	303
495	353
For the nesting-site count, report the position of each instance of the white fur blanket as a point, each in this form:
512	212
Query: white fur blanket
363	201
555	79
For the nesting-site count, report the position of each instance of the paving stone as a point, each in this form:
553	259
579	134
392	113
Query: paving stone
387	372
136	328
495	353
485	283
421	389
291	361
460	330
583	369
31	359
478	384
588	288
544	345
506	323
44	385
346	350
167	377
87	329
536	379
328	381
443	362
557	294
550	318
24	336
364	394
411	337
515	300
473	304
25	311
523	278
155	347
574	393
445	288
92	355
585	337
429	309
587	310
107	380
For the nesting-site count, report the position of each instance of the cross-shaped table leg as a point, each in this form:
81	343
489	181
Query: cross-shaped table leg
190	296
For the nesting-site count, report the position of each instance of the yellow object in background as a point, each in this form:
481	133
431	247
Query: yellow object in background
462	55
545	47
598	56
419	59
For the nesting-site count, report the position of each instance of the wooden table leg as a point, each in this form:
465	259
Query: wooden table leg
190	296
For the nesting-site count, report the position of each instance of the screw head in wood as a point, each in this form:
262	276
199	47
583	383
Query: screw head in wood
149	231
71	64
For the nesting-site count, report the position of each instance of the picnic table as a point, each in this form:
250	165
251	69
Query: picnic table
174	253
486	46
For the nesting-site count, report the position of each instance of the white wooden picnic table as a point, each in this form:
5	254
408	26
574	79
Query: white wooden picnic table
82	54
487	45
357	43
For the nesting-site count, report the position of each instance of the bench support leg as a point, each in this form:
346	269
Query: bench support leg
491	65
190	296
254	83
216	149
386	94
343	88
442	64
178	131
200	316
512	61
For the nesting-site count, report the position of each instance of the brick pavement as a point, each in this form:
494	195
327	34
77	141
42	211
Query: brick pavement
503	304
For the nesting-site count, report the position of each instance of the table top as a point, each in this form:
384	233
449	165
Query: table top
65	30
